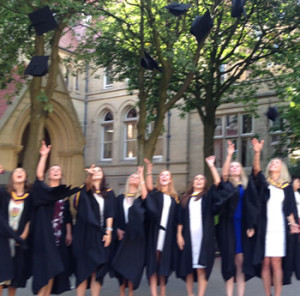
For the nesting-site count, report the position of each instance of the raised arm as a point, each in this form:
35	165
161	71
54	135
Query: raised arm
211	164
226	165
44	152
144	190
149	179
88	180
257	147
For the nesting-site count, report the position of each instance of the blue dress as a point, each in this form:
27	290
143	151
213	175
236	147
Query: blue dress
237	220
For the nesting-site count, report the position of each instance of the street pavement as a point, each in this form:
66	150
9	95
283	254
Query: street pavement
176	287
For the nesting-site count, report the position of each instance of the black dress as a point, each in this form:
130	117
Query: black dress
212	202
154	207
89	253
129	259
47	259
257	196
16	268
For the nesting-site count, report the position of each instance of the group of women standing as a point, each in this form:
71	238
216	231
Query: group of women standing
150	227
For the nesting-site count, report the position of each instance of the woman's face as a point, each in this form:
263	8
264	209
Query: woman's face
98	173
235	169
296	184
165	178
55	173
18	175
275	165
134	179
199	183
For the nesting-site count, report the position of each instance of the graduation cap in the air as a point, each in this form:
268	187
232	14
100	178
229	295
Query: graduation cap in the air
238	8
178	9
201	26
43	20
272	113
38	66
148	63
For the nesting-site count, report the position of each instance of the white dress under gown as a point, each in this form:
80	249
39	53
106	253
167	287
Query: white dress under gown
275	232
196	229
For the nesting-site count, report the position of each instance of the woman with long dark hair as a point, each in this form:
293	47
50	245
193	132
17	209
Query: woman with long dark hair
128	262
93	232
161	204
51	228
15	215
195	230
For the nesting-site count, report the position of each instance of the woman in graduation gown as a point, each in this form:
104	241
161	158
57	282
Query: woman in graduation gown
50	272
93	232
274	228
231	229
15	214
129	259
296	188
195	230
161	204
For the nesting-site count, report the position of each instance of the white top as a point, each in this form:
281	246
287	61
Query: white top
15	211
275	215
297	197
196	229
100	200
163	221
127	203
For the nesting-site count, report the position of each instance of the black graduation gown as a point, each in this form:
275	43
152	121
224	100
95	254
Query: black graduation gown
226	233
129	259
212	202
17	268
154	206
89	253
47	260
257	196
297	254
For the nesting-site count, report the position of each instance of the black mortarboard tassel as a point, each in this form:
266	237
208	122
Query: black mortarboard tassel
42	20
238	8
272	113
148	63
201	26
38	66
178	9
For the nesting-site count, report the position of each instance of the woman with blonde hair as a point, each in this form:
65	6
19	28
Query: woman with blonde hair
273	226
230	229
128	261
161	206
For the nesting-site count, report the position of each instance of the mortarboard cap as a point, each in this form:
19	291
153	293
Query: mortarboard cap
42	20
38	66
237	8
148	63
272	113
178	9
201	26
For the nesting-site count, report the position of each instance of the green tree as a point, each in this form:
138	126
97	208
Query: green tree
17	46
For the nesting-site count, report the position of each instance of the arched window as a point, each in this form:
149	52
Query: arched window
107	127
130	141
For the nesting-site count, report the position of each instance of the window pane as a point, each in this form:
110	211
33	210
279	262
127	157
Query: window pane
219	129
131	132
108	132
158	148
131	114
232	125
108	116
107	150
218	147
246	156
130	149
247	124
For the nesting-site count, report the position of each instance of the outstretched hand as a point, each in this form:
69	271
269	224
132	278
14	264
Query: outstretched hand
1	169
210	160
257	145
148	162
90	170
140	171
45	150
230	147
